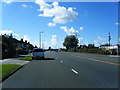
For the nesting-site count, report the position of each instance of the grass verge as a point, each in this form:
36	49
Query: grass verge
6	69
26	58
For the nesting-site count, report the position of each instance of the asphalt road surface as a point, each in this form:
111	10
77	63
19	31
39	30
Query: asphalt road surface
67	70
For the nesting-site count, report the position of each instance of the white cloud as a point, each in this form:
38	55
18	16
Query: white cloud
24	5
59	14
86	43
51	24
117	23
101	38
8	32
81	28
35	43
96	42
69	31
99	41
8	1
54	41
15	35
80	39
25	37
45	45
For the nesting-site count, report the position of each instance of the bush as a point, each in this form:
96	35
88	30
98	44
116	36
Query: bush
101	52
88	50
26	58
107	52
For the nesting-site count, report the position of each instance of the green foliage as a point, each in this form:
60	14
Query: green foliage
26	58
63	50
91	45
70	42
107	52
12	47
101	52
6	69
8	46
88	50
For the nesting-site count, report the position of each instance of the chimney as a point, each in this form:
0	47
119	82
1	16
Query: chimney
25	41
21	40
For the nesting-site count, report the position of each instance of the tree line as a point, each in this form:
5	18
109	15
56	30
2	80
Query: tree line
11	47
71	44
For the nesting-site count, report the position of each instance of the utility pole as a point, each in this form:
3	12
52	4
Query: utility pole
40	38
109	38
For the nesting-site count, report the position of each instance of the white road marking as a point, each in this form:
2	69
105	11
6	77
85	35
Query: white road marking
97	60
61	61
74	71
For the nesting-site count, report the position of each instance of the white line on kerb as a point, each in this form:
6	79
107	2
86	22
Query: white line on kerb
74	71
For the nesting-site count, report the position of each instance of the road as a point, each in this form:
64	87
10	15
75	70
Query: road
67	70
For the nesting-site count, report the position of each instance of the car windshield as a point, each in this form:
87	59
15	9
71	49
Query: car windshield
38	50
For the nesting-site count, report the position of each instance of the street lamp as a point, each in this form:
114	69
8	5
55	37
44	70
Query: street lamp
40	38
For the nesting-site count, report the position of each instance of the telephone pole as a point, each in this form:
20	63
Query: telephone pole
40	38
109	38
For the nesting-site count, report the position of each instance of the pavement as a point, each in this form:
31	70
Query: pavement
14	61
67	70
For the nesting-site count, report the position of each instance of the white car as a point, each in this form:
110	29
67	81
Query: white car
37	53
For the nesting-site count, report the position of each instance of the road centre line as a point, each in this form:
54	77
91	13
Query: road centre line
97	60
74	71
61	61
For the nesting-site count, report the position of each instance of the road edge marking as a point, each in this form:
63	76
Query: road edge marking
96	60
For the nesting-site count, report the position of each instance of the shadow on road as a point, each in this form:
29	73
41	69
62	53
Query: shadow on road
20	56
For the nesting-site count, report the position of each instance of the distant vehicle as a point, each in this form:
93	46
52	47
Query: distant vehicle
37	53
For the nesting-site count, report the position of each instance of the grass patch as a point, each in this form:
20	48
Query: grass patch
26	58
6	69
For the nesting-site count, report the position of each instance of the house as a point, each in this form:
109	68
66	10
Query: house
114	49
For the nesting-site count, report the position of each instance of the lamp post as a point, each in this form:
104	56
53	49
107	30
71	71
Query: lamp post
109	38
40	38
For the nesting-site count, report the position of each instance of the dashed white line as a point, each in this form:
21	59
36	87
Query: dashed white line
74	71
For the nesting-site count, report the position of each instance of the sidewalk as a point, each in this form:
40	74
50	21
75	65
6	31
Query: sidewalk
14	61
114	55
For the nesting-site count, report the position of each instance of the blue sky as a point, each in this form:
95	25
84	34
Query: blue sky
90	20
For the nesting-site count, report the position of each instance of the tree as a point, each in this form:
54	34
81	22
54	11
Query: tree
35	47
84	46
70	42
8	47
49	48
